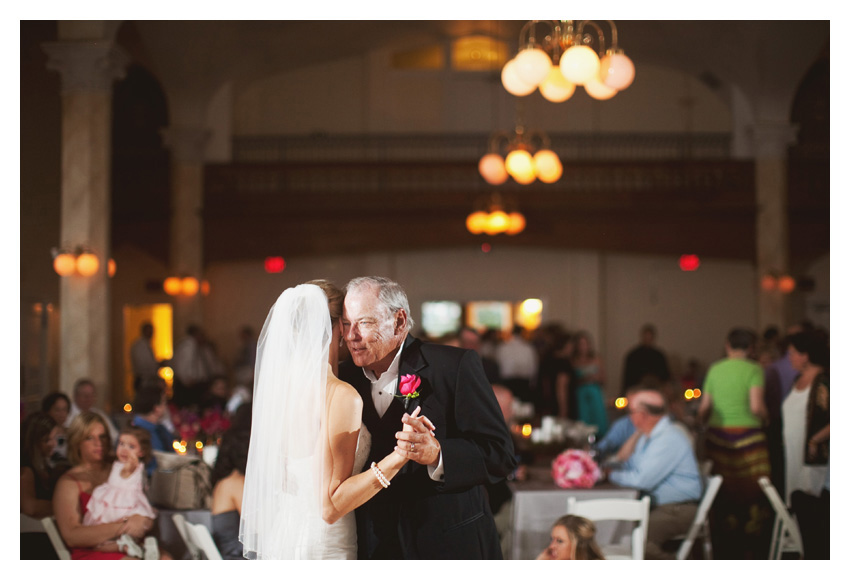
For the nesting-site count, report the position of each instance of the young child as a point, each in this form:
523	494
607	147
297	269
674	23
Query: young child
123	493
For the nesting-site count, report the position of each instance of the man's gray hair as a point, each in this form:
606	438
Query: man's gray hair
390	293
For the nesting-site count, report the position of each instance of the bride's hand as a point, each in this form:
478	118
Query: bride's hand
416	441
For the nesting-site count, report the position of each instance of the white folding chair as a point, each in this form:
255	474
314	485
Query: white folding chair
197	538
630	510
700	525
55	538
31	525
786	537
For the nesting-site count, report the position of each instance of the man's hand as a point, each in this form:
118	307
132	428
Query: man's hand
417	441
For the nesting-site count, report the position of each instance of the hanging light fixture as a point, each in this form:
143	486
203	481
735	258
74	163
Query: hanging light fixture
528	157
493	216
558	62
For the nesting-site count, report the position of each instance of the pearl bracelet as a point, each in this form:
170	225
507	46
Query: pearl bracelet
385	483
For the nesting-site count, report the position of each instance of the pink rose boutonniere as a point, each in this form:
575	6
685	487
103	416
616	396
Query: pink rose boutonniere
408	386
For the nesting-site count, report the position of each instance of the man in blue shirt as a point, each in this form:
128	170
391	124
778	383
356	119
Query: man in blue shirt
662	464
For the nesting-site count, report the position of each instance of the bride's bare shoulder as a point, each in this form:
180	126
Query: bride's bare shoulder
344	393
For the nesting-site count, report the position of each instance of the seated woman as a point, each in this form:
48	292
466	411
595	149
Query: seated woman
228	481
573	538
58	405
89	451
38	478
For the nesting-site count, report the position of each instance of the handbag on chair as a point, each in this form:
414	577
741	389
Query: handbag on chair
180	482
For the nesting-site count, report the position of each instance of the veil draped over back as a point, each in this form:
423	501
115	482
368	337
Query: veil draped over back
282	501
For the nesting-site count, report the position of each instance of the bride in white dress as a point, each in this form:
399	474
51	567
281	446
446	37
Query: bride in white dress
308	446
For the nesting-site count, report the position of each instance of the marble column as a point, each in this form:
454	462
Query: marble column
187	145
771	151
88	69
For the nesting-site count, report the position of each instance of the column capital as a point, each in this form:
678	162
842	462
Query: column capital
772	139
86	66
187	144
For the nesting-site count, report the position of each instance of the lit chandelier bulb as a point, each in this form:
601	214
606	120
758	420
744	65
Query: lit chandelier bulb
599	90
555	87
512	83
521	166
617	70
532	66
579	64
547	166
492	169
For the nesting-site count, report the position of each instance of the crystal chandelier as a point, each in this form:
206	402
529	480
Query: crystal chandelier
558	62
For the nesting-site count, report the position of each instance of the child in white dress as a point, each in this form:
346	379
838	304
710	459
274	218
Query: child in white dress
123	493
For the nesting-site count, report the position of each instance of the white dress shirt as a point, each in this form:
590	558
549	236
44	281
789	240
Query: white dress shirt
383	391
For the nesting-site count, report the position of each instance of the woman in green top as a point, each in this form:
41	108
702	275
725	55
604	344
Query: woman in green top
734	410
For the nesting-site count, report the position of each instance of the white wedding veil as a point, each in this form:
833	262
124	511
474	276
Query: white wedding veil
282	499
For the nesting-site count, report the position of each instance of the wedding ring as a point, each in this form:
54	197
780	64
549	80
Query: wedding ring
411	447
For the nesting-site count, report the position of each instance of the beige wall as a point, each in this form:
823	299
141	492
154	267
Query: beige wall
609	295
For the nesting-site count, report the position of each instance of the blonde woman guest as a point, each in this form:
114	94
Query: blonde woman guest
573	538
89	451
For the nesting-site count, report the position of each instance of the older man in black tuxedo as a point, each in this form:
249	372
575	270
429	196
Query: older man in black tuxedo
436	508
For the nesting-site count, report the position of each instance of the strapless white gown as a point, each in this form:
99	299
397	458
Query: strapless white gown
337	541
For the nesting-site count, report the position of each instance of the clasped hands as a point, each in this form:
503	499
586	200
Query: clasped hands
416	441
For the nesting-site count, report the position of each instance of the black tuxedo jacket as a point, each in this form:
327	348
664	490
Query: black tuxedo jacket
417	517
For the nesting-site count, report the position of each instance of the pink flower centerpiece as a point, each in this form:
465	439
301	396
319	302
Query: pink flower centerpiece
575	468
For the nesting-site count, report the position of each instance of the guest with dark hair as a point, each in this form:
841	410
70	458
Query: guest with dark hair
645	360
556	378
38	478
58	406
573	538
228	481
150	408
733	408
805	418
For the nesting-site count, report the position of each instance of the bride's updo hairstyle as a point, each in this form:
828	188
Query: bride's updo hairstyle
335	298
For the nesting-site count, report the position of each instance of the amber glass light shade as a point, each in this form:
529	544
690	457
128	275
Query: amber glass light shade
497	222
555	88
476	222
512	83
599	90
547	166
579	64
189	286
492	169
87	264
516	223
520	165
617	71
65	264
532	66
786	284
172	286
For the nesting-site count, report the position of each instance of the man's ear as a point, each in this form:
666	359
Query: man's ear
400	321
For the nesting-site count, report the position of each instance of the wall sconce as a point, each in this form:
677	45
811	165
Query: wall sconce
782	282
80	261
185	286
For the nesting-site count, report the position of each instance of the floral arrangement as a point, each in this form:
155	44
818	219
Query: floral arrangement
193	427
575	468
187	423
